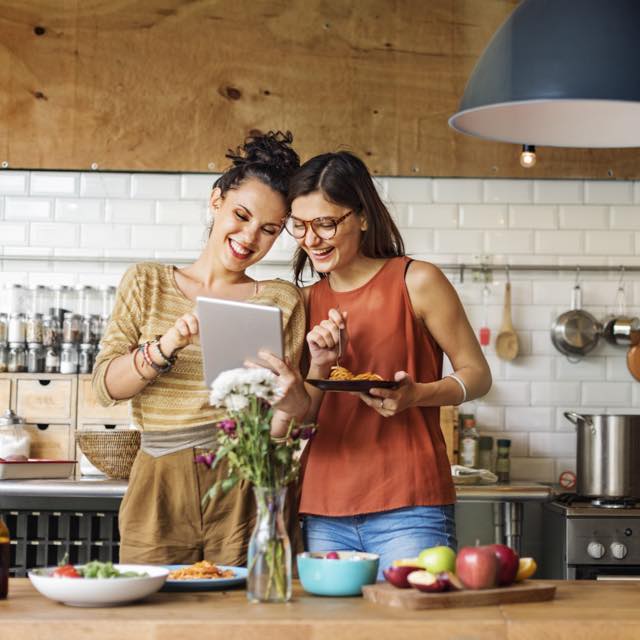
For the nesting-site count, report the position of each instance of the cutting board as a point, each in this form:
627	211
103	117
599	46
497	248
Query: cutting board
527	591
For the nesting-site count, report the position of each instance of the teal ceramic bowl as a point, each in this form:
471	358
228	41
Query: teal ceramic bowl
342	577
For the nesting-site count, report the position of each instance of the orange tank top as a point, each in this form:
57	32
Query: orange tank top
358	461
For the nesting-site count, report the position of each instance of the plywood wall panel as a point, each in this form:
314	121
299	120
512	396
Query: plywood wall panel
169	85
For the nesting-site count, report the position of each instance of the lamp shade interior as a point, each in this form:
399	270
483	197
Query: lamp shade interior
559	73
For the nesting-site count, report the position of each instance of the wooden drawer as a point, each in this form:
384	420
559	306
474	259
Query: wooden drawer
108	426
46	399
52	441
5	394
90	410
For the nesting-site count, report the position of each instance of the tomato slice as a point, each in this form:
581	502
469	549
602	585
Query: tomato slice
66	571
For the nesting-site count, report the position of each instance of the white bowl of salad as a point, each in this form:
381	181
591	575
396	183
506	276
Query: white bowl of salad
98	584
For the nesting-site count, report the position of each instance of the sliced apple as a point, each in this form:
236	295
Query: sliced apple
450	580
425	581
397	576
407	562
526	568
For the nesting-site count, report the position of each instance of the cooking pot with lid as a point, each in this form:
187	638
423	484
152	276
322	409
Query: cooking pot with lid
608	455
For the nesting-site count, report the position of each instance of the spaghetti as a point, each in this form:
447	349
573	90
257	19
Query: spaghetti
342	373
203	570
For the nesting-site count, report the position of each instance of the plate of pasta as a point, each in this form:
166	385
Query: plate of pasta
203	576
341	379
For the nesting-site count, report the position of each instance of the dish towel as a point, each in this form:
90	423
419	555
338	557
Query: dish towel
482	476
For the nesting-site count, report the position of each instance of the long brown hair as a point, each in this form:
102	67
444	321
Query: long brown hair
344	180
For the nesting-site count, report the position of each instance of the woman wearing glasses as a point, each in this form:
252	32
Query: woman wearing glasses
377	477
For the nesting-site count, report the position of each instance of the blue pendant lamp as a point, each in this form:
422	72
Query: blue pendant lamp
559	73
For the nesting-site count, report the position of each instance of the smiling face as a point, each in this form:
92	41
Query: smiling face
247	221
336	252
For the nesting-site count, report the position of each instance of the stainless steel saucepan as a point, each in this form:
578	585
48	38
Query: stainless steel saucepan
575	333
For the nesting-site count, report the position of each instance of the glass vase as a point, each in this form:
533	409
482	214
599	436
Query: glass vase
269	556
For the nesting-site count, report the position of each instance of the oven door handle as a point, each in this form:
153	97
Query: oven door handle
606	577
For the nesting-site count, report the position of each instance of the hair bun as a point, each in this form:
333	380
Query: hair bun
271	148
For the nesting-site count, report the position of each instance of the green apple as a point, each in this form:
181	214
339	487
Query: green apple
437	559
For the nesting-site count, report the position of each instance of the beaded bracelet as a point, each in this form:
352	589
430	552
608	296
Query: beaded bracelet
168	360
137	371
146	352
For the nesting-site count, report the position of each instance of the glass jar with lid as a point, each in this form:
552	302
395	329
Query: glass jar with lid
4	357
85	358
35	357
52	359
51	331
108	295
88	300
4	327
69	358
17	358
71	327
16	297
63	301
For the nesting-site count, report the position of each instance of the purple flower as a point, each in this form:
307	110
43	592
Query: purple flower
206	459
306	433
228	426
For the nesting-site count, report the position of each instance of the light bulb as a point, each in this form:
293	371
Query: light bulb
528	156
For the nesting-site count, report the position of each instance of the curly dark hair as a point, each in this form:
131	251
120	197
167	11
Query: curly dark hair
267	157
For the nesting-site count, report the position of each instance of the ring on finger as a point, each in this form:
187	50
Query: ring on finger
382	403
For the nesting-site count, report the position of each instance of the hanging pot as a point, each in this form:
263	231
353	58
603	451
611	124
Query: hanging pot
575	333
619	328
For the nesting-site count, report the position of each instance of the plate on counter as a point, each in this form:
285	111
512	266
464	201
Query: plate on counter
35	468
205	584
99	592
357	386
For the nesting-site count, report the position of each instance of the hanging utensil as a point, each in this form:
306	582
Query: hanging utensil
618	328
507	346
484	335
575	333
633	355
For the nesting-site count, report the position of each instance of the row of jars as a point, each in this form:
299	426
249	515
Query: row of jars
50	330
16	299
16	357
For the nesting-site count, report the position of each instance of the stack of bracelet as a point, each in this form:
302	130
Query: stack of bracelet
147	360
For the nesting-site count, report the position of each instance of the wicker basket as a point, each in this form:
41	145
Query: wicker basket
111	452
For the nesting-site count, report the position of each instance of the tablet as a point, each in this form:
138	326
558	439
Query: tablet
232	332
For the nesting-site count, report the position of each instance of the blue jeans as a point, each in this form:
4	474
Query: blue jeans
401	533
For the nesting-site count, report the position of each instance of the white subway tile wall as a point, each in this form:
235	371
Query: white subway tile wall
546	222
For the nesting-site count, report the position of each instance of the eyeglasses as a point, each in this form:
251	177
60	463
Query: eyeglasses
324	228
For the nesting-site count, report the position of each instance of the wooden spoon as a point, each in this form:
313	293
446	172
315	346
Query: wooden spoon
507	340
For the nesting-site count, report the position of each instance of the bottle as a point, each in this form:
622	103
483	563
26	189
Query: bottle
68	358
17	358
503	463
485	455
35	358
4	560
469	443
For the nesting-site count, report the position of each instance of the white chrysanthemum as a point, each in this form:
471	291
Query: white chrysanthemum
232	388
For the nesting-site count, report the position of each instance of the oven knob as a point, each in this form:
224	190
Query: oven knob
618	550
595	550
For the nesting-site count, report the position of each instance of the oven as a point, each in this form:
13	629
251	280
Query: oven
591	540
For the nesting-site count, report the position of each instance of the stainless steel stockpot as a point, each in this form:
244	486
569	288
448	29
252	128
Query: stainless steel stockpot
608	455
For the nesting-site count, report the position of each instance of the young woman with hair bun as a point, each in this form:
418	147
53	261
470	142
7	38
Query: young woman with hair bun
377	477
150	356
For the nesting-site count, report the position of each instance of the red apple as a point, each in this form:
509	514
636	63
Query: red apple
332	555
425	581
450	580
508	563
477	567
397	576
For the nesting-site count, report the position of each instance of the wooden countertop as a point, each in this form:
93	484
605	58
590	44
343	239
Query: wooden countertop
582	609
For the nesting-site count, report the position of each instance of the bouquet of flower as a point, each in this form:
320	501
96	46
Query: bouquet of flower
244	439
269	464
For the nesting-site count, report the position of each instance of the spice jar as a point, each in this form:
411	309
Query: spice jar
469	443
17	328
17	358
35	357
34	328
52	359
485	455
71	328
68	358
85	358
4	357
503	463
51	331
